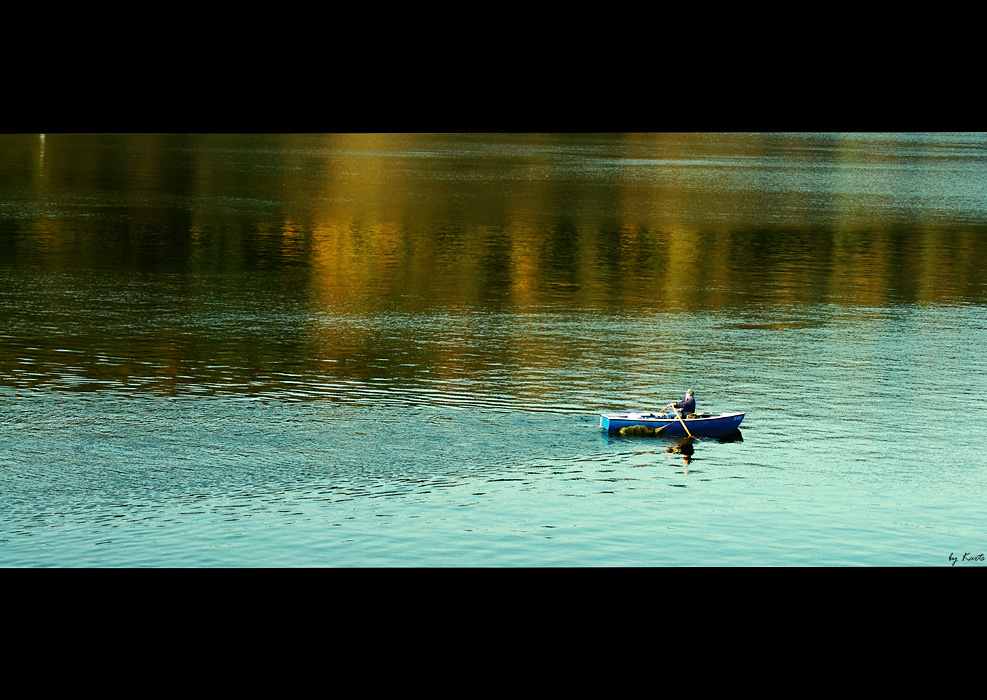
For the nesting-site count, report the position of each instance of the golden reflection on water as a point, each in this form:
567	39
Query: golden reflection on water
356	225
410	210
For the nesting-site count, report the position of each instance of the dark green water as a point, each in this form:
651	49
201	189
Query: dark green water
393	349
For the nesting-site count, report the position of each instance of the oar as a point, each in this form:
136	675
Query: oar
680	421
658	430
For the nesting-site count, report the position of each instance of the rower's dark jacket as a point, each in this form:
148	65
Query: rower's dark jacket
687	406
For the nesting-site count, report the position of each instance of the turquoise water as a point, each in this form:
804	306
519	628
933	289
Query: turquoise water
393	350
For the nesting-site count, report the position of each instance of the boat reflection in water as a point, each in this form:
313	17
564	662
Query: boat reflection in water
684	446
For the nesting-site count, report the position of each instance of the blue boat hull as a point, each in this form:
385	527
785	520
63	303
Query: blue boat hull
713	426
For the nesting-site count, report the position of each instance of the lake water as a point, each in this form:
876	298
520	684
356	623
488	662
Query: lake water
392	350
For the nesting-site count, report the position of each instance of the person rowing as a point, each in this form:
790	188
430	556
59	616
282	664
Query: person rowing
686	406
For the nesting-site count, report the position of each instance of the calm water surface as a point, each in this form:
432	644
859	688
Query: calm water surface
380	350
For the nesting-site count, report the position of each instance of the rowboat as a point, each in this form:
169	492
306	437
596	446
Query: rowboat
705	425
